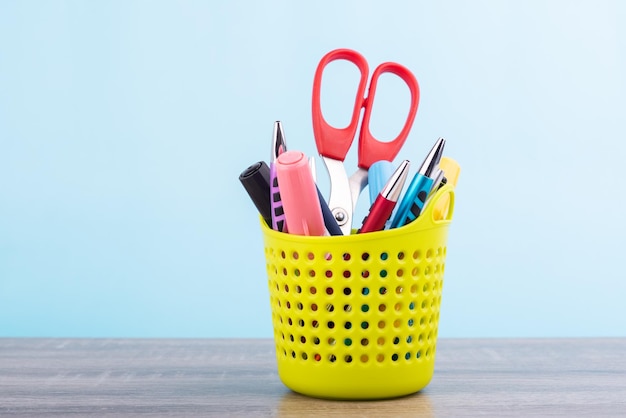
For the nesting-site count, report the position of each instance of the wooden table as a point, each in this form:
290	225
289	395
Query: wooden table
237	377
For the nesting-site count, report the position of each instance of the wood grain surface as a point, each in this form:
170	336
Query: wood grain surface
237	377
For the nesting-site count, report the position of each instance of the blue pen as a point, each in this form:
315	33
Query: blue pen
413	201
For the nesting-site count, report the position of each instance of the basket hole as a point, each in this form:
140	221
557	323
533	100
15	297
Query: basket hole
329	290
289	321
298	289
396	323
303	339
383	273
384	256
382	307
312	290
278	303
328	256
381	324
304	356
315	324
365	256
330	307
415	272
416	255
394	357
396	340
365	274
364	358
329	274
288	305
347	291
426	288
365	325
311	273
346	274
365	291
295	255
364	342
422	321
401	255
398	307
301	322
427	271
348	358
317	357
418	354
300	306
284	271
347	308
331	341
420	338
347	325
409	339
282	255
348	342
410	322
380	358
429	254
407	356
414	289
316	340
381	341
296	272
291	338
400	273
382	290
331	324
314	307
293	354
399	290
284	352
332	358
427	352
412	306
346	256
365	308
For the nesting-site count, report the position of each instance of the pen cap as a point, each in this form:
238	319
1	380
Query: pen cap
377	176
451	170
256	180
299	194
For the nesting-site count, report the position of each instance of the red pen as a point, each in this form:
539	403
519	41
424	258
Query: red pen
381	209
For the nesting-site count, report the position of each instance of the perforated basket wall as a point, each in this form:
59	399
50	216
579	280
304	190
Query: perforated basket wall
356	317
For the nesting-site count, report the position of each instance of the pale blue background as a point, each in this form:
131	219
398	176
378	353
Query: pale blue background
124	127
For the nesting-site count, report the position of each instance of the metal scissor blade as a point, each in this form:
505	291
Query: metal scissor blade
340	200
357	181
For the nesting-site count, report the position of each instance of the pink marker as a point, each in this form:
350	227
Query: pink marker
299	194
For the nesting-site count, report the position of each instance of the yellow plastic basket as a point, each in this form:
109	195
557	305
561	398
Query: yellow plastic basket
356	317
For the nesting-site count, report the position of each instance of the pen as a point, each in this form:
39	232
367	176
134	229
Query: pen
329	219
278	147
299	195
383	206
413	201
256	180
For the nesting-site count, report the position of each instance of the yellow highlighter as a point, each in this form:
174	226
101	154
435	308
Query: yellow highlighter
451	170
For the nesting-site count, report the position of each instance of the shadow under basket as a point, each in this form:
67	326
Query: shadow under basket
356	317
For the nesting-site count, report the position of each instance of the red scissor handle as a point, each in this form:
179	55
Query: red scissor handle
335	142
370	149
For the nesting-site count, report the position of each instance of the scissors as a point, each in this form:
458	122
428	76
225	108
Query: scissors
333	143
